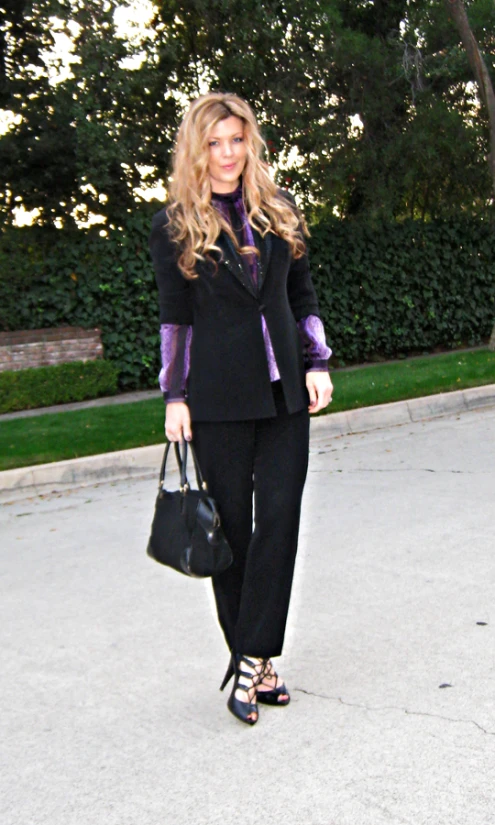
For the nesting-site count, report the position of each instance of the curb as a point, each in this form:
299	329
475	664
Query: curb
397	413
144	462
59	476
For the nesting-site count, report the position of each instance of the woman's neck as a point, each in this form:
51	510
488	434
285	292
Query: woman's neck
232	195
226	188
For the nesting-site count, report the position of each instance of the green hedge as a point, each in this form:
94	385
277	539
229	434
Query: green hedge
80	278
385	290
396	289
60	384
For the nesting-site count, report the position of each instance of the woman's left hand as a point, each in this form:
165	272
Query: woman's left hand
320	390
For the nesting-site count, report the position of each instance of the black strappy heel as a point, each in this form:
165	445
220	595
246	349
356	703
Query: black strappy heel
252	672
272	697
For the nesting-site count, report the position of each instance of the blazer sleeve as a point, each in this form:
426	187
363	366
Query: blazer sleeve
173	288
300	289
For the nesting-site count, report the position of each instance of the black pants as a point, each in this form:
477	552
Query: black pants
267	457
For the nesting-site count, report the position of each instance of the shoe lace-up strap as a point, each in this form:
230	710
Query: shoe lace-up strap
255	676
269	672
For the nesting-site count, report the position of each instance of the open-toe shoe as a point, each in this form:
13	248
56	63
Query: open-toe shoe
278	694
248	674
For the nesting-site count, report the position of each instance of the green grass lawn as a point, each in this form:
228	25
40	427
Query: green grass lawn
383	383
58	436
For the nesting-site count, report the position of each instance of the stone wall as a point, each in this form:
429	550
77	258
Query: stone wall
45	347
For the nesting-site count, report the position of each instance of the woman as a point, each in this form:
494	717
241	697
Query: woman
243	352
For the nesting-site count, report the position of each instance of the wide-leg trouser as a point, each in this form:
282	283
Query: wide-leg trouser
268	458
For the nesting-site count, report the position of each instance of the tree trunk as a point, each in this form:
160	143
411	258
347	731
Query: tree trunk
457	11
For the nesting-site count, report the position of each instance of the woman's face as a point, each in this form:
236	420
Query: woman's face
227	154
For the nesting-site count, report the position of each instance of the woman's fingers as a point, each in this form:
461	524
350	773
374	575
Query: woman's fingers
313	395
327	395
324	399
320	390
178	421
186	429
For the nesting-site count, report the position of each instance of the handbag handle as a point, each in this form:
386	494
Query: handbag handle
181	458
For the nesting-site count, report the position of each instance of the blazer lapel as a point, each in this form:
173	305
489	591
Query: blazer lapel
264	245
231	260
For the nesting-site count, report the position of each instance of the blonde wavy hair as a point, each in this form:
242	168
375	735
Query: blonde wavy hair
194	223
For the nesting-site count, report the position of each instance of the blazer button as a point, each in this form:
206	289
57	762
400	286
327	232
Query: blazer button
261	307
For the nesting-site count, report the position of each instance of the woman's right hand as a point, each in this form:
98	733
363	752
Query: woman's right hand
178	421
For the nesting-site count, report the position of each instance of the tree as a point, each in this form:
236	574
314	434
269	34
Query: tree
365	105
312	70
78	145
458	14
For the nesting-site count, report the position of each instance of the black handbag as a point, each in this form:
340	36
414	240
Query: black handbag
186	533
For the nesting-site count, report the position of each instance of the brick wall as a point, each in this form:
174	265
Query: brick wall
44	347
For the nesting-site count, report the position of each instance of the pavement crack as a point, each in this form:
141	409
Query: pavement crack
406	711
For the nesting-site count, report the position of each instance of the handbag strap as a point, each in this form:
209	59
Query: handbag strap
181	458
202	485
164	464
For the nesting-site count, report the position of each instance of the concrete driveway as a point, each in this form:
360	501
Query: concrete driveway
110	709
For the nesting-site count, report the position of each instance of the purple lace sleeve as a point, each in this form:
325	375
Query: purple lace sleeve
315	350
175	350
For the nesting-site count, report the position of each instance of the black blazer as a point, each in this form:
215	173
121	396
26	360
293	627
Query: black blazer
228	377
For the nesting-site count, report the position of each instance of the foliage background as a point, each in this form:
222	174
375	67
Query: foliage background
368	106
388	289
371	119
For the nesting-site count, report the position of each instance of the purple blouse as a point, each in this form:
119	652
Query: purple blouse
176	338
